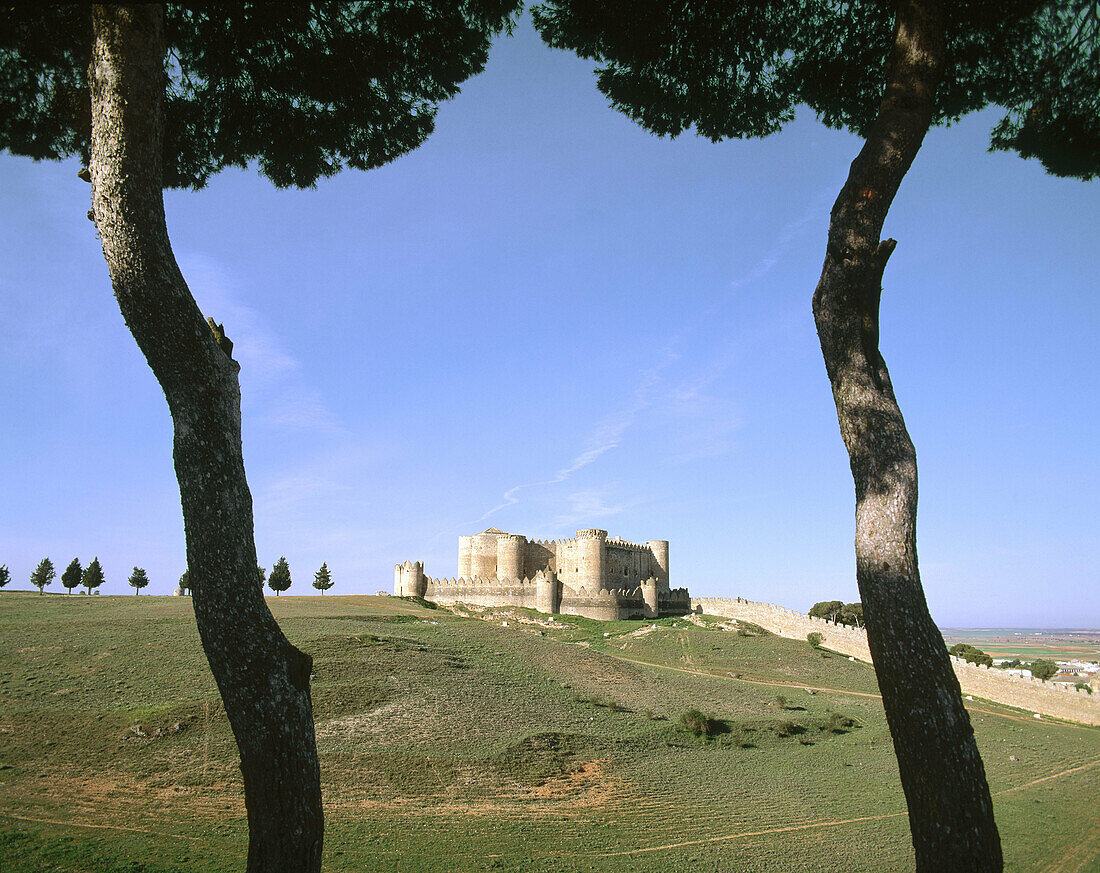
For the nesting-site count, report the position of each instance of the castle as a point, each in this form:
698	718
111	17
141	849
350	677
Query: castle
590	575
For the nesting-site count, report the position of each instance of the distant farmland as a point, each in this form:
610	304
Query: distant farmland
1028	644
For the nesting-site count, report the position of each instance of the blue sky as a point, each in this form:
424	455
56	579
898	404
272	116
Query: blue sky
546	319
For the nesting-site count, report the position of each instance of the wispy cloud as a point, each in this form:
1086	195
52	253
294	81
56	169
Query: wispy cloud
813	212
271	378
585	505
607	436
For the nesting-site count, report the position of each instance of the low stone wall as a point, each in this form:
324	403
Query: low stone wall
1024	692
479	593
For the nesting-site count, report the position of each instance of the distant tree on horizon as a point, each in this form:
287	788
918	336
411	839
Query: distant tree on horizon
322	579
92	576
71	577
185	581
138	579
5	575
262	573
827	609
279	580
1043	669
43	574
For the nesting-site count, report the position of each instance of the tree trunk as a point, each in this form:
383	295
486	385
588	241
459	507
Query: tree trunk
950	810
263	679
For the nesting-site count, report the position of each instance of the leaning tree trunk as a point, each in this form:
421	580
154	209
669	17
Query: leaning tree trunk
950	810
263	679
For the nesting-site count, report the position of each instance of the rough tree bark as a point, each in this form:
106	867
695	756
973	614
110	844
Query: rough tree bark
950	810
263	679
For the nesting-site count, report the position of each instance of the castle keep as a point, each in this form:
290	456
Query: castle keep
590	575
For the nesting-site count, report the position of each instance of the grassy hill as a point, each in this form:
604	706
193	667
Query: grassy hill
499	742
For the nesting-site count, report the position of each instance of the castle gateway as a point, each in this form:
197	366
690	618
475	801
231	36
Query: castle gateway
590	575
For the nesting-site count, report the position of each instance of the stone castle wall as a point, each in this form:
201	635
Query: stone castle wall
591	575
1024	692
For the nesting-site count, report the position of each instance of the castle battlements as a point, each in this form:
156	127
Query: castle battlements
591	575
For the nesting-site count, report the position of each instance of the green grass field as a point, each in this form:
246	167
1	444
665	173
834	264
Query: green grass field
458	743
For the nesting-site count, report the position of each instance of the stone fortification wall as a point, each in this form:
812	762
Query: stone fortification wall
483	592
1020	691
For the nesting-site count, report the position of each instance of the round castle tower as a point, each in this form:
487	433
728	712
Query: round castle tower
652	598
483	556
592	559
465	557
409	580
510	549
659	563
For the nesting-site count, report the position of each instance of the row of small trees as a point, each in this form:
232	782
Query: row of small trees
91	577
74	576
279	580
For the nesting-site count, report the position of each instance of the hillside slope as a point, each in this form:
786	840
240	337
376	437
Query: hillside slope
503	741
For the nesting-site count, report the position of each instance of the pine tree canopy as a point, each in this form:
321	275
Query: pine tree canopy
741	70
5	575
302	88
322	579
43	574
279	580
93	575
71	577
139	578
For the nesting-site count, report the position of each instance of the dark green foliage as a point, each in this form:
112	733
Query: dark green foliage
43	574
740	70
322	579
701	725
71	577
5	575
261	573
814	639
138	579
835	723
971	653
827	609
92	576
1043	669
302	89
851	614
1007	665
279	580
1060	123
185	581
1083	686
838	612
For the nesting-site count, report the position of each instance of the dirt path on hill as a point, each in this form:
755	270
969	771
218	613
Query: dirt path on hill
1048	720
1073	862
796	685
1079	855
107	827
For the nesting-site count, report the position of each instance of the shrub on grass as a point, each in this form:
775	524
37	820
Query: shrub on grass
702	725
1083	686
815	639
835	723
